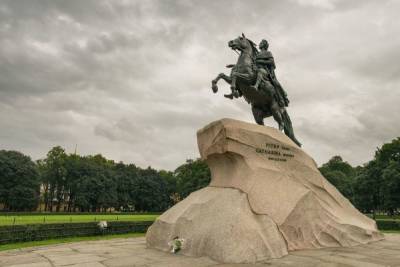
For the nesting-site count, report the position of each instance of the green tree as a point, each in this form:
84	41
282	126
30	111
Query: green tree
54	177
150	191
191	176
95	184
388	152
74	165
125	176
387	159
41	168
171	186
19	181
391	188
377	186
368	188
340	174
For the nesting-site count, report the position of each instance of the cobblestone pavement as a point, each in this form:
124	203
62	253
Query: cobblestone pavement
132	252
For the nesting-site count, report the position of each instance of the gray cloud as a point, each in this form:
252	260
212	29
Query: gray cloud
130	79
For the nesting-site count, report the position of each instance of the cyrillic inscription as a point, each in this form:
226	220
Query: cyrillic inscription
276	152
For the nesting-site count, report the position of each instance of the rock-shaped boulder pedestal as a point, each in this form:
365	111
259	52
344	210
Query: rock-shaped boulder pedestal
266	197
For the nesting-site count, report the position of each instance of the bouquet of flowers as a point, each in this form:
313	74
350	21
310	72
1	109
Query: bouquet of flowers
176	244
102	225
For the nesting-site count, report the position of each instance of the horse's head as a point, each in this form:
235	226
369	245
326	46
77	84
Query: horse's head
241	43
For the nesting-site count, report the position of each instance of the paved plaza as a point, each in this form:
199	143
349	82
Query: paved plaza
132	252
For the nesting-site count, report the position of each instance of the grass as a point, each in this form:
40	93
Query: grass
390	231
65	240
56	218
384	217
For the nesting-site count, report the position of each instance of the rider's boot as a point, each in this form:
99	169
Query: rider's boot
230	96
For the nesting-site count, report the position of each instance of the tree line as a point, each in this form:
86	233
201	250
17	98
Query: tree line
70	182
373	187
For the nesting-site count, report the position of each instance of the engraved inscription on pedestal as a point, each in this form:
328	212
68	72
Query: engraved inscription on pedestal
275	152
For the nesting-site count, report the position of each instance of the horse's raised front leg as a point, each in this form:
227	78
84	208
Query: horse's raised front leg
214	82
227	79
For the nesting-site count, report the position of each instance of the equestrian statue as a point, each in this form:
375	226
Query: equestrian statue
253	77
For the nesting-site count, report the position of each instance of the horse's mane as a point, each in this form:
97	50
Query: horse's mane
253	46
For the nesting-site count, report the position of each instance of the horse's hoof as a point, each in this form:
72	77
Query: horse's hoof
214	87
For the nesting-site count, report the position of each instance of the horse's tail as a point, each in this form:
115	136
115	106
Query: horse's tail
287	127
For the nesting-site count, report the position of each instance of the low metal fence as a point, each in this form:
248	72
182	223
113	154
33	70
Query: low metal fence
36	232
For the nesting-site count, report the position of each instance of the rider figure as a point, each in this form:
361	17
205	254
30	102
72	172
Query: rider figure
266	72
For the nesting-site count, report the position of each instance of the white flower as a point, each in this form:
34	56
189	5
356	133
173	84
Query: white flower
102	225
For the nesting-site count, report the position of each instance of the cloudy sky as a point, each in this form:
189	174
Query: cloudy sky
131	79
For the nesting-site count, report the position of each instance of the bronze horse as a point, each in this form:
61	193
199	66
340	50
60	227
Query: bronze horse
243	75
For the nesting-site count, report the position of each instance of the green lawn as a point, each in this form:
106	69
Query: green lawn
384	217
37	218
391	231
65	240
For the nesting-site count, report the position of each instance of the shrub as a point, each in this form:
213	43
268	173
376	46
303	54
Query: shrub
388	225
